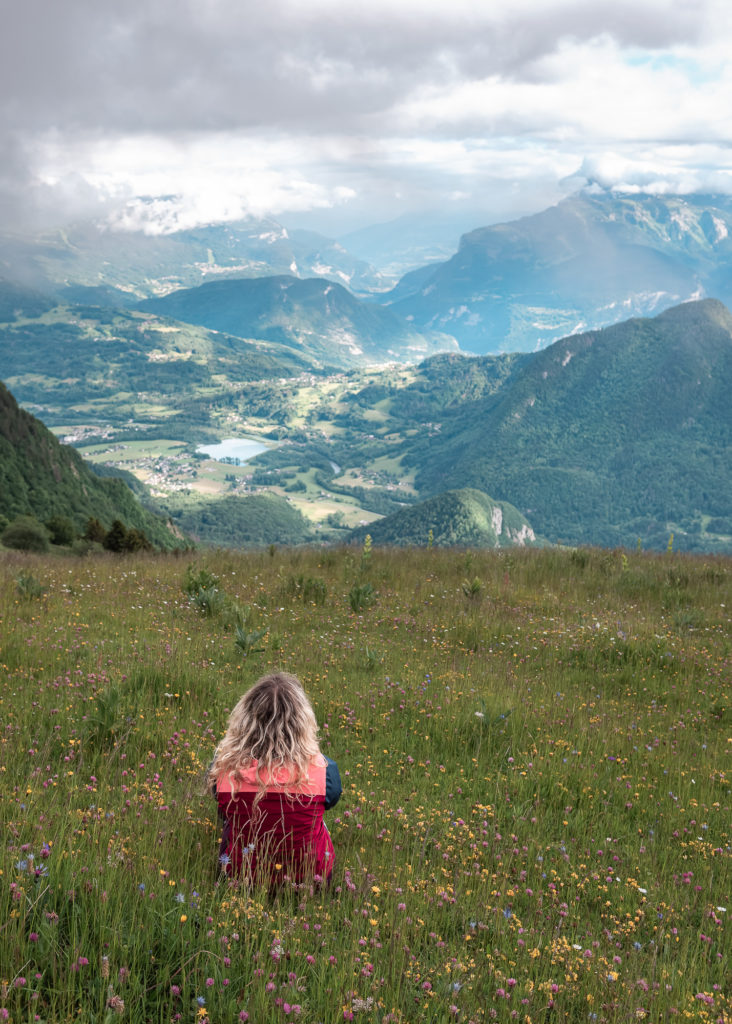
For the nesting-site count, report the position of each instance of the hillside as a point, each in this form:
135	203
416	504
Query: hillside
461	518
247	521
318	320
80	362
593	258
41	477
605	437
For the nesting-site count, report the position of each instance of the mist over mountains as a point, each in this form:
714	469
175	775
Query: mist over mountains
594	436
595	258
589	261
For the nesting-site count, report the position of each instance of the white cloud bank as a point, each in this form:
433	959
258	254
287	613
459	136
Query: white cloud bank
166	115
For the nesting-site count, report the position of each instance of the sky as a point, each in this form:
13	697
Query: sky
167	114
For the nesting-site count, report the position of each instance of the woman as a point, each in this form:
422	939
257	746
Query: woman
272	785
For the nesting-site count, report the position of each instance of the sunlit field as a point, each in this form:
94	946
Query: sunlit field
535	748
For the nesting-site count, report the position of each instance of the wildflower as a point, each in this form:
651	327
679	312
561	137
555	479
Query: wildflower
200	1000
116	1004
179	897
209	982
243	1016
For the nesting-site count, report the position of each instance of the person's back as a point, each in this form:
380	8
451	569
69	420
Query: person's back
272	785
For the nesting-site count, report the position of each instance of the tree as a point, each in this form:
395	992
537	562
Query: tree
95	531
116	539
137	541
26	534
61	529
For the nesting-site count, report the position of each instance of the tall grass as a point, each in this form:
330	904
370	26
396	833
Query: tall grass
535	822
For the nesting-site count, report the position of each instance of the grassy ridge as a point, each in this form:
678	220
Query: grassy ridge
536	814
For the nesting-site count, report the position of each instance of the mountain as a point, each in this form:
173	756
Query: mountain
114	263
80	363
319	320
460	518
42	478
604	437
582	264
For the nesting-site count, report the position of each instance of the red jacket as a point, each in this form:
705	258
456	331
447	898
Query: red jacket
284	835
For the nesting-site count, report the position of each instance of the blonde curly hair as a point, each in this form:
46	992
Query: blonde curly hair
274	725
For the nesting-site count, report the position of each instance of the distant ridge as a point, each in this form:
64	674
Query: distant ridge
585	263
315	318
461	518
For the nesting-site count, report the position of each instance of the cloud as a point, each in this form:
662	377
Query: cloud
215	108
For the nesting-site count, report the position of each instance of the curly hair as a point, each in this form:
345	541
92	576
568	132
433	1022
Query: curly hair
274	725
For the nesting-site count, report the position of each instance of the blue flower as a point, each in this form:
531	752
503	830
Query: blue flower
200	1000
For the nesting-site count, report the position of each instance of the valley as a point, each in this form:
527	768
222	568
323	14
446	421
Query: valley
615	435
304	424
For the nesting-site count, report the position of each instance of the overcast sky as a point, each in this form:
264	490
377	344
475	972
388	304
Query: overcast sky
169	113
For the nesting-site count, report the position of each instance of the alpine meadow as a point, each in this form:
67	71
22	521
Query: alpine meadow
535	750
366	512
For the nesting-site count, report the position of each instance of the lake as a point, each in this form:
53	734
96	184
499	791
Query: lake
240	448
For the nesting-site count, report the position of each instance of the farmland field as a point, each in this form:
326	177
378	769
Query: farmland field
535	747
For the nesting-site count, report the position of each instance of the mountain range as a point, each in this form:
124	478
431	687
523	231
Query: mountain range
595	434
317	319
87	263
603	437
591	260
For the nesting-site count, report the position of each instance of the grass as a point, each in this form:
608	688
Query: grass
535	823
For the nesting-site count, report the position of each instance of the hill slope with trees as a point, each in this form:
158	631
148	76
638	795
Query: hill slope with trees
605	437
461	518
44	479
